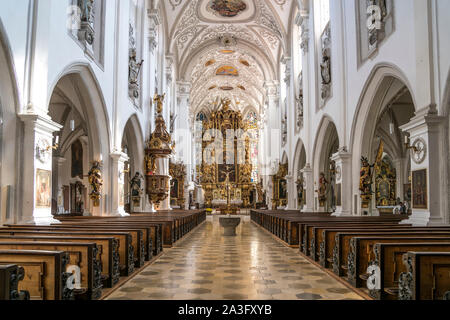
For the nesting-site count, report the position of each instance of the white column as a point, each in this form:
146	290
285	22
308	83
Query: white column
424	131
59	164
291	189
344	179
118	160
309	188
37	169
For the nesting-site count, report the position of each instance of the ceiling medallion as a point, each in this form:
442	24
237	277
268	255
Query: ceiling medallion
227	71
228	8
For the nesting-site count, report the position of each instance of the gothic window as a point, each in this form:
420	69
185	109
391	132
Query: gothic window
375	23
86	25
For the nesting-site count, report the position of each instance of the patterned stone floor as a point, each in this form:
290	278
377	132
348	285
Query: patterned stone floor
252	266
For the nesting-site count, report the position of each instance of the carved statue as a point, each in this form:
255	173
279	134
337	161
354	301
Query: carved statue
136	185
323	186
134	69
159	100
86	7
300	190
96	182
365	178
150	165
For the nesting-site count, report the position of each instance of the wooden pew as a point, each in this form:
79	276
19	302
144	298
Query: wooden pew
108	251
82	255
314	233
126	253
45	276
137	236
306	226
361	252
427	276
342	242
10	275
152	233
388	257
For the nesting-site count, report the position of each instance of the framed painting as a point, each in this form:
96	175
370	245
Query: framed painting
419	189
43	188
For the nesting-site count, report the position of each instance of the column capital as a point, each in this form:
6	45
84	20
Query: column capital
119	156
41	123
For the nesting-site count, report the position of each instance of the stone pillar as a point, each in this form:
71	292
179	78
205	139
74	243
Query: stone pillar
343	161
424	134
58	187
291	189
118	160
37	169
400	170
308	177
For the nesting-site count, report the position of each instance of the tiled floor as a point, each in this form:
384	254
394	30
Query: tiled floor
253	265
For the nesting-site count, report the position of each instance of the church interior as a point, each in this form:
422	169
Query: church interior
224	150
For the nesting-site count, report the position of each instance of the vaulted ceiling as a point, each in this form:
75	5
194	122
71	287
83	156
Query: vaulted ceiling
228	48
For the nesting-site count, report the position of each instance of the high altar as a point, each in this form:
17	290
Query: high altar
234	169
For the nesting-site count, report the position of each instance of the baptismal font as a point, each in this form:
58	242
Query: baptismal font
157	152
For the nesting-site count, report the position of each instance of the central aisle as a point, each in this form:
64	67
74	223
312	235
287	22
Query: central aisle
251	266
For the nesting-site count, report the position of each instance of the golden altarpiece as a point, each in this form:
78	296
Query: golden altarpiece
234	168
279	184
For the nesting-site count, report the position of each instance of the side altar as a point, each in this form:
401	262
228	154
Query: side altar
226	174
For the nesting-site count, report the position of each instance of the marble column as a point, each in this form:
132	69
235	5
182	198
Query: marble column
118	160
425	134
343	161
37	168
308	177
291	189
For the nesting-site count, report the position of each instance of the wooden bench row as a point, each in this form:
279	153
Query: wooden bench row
10	275
375	254
94	252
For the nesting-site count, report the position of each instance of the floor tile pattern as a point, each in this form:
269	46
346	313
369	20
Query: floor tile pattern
250	266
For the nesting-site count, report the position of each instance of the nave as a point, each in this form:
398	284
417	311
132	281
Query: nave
252	266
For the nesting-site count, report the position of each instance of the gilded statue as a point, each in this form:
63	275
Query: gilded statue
150	164
96	182
365	178
159	100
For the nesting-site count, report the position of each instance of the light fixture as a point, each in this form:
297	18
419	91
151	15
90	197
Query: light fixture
72	125
408	146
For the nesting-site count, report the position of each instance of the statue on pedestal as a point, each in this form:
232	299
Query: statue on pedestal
96	182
